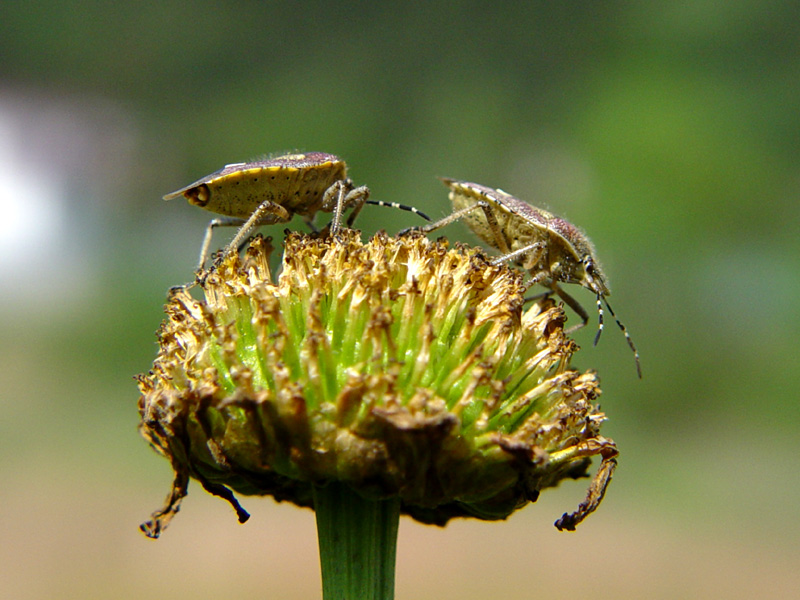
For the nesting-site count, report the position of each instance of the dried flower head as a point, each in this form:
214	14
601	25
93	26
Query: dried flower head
399	367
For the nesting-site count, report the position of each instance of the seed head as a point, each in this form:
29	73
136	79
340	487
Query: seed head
399	367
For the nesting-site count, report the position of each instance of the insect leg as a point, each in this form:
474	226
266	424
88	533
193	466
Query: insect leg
454	216
341	195
574	305
543	278
310	222
537	297
268	212
624	332
220	222
332	200
520	252
358	198
500	240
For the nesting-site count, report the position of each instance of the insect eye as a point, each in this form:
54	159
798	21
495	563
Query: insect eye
198	196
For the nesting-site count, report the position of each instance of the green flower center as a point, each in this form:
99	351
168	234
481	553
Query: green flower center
399	367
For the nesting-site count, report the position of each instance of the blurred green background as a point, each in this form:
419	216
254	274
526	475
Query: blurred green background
668	131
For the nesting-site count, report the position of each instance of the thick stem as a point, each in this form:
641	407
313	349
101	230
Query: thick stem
357	543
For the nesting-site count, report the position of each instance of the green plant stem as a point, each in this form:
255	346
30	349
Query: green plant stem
357	543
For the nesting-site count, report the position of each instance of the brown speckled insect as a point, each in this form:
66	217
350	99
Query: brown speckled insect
551	249
273	191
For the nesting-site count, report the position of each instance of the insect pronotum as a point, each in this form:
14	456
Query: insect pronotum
550	248
273	191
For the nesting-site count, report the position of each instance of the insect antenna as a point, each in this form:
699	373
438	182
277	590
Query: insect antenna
400	206
621	327
599	320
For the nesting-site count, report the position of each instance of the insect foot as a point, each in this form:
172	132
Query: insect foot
551	249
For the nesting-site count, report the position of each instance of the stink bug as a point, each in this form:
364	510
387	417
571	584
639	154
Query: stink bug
273	191
551	249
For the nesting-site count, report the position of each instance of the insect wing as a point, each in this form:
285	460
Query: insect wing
309	160
224	171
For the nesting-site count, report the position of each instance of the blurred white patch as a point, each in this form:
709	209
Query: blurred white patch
31	206
53	150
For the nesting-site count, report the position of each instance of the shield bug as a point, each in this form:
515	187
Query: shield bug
550	248
252	194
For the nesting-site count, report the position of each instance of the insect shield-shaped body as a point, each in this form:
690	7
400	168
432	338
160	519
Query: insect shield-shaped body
273	191
551	249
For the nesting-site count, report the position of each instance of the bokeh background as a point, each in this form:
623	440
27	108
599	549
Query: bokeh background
669	131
